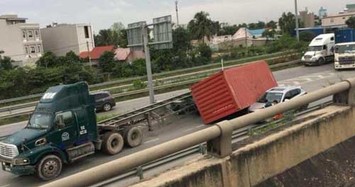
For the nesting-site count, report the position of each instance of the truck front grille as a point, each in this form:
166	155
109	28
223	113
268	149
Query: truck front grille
307	56
8	150
346	60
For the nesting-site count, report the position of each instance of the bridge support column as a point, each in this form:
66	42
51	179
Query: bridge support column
347	97
221	146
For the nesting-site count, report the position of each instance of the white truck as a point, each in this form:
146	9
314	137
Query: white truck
344	56
320	50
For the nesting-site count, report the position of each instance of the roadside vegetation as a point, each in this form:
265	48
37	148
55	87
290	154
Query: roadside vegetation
52	70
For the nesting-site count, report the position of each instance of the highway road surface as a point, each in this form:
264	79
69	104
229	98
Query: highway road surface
310	78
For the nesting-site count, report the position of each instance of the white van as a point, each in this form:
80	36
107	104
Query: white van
320	50
344	56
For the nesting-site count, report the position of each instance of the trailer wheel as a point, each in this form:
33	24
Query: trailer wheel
134	137
112	143
49	167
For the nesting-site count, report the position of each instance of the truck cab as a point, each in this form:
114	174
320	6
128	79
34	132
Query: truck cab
344	56
320	50
61	129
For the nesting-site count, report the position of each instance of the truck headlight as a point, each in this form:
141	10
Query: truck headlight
21	161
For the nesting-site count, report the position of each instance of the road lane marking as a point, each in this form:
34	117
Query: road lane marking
199	126
187	130
152	140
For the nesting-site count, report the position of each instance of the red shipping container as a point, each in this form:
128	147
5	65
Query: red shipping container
231	90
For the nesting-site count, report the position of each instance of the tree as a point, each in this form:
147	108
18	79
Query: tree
48	59
228	30
107	37
269	33
201	26
271	24
107	61
259	25
119	28
5	63
287	23
72	58
181	39
205	52
351	22
122	39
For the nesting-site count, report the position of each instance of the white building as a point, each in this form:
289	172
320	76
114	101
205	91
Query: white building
20	41
62	38
338	20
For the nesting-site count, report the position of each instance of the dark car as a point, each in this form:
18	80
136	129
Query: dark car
104	101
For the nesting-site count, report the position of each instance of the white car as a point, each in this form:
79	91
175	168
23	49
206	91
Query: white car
277	95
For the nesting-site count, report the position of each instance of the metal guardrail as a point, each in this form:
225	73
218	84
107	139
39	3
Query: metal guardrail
218	137
198	149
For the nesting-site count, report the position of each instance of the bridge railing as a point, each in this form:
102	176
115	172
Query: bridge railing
218	137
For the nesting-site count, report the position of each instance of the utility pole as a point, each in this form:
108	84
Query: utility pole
296	15
177	13
87	45
148	64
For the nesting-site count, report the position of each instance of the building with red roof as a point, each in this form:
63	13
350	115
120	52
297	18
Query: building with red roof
128	55
97	52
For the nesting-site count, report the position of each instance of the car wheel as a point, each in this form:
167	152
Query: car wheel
107	107
49	167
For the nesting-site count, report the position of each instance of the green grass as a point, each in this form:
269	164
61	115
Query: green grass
13	120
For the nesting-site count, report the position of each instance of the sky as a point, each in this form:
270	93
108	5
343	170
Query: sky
101	14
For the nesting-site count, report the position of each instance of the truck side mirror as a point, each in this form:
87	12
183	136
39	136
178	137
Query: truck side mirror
60	121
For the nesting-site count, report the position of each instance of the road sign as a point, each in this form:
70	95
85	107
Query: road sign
135	35
162	33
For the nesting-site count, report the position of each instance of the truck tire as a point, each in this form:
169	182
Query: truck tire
49	167
133	136
112	143
106	107
321	61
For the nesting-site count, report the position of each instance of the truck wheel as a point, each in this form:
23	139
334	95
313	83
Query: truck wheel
133	137
112	143
321	61
107	107
49	167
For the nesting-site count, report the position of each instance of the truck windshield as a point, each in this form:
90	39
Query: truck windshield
39	121
315	48
345	48
270	97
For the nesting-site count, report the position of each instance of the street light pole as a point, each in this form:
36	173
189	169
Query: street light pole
296	16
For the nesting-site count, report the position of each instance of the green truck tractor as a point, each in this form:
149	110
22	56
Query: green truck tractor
62	129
